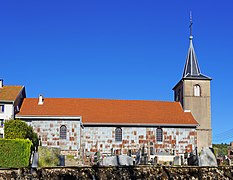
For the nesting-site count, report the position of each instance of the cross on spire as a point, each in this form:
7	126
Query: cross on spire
191	23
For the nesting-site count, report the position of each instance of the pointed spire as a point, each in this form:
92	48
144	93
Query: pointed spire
191	68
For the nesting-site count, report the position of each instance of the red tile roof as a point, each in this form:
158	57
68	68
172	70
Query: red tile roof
104	111
10	93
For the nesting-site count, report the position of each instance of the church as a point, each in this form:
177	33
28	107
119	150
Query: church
120	126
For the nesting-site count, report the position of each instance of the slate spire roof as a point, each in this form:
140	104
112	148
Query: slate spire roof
191	68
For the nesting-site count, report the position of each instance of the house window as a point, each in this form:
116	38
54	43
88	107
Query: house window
197	90
63	130
1	135
1	108
159	134
1	122
118	134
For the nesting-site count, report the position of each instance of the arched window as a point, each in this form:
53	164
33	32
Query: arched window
197	90
63	130
159	134
118	134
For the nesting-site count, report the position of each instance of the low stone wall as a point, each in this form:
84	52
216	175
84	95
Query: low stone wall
130	172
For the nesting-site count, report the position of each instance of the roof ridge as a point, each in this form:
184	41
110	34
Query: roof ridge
69	98
13	85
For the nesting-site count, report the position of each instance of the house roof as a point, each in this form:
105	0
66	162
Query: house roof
105	111
10	93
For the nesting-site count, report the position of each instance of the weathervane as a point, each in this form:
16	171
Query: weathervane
191	23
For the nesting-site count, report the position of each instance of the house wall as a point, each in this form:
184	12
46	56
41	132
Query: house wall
49	133
102	139
8	112
6	115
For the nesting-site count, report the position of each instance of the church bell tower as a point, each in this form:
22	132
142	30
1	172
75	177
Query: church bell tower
193	92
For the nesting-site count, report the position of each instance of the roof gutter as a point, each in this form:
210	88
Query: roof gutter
144	125
7	101
48	117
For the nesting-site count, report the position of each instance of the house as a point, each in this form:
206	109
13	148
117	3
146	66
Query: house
11	98
124	126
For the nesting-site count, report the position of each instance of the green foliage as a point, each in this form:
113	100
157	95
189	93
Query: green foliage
14	129
220	149
48	156
70	156
33	137
15	153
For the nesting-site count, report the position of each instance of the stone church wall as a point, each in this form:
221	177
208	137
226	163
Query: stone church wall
175	140
49	133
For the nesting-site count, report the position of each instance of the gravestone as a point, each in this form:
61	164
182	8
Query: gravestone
138	156
177	160
62	160
193	160
207	158
35	160
120	160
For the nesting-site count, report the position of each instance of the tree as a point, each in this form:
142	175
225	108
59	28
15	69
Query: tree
220	149
16	129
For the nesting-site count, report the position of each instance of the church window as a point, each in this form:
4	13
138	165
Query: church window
159	134
63	130
197	90
118	134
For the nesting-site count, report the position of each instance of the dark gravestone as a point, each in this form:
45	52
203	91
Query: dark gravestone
193	160
62	160
138	155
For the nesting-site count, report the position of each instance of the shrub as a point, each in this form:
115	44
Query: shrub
48	156
15	153
14	129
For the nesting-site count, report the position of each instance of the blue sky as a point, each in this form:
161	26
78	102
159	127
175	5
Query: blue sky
117	49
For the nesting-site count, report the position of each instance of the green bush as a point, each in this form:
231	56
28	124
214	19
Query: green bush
16	129
15	153
48	156
220	149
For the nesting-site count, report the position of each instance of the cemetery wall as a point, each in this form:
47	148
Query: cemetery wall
127	172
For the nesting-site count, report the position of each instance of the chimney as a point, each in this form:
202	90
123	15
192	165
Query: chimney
1	83
41	100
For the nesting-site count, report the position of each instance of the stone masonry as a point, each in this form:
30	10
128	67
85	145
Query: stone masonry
125	172
175	140
49	133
